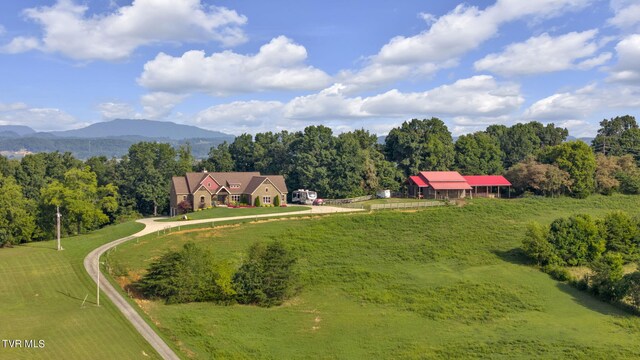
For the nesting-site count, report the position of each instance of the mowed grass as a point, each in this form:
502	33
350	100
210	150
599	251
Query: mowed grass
446	282
222	212
41	292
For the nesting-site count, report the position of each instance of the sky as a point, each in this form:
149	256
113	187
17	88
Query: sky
254	66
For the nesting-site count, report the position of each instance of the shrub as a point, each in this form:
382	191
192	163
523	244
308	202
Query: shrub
276	201
183	276
536	246
577	239
620	233
631	288
606	280
557	272
257	202
266	278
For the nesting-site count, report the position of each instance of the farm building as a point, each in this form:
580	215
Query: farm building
438	185
487	185
452	185
204	189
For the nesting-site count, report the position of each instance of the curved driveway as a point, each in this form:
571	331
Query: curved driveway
91	261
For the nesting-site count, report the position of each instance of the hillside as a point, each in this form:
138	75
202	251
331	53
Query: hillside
144	128
446	283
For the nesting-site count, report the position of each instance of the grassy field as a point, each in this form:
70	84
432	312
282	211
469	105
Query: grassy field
41	292
367	204
447	282
221	212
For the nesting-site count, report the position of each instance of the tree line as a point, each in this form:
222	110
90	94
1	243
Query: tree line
604	245
536	158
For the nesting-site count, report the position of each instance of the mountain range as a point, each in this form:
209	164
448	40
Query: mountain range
110	138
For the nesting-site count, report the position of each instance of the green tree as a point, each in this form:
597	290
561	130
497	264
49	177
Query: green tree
79	201
146	175
606	280
314	154
17	223
478	153
272	153
106	170
219	159
576	158
185	159
577	239
536	246
620	233
267	277
420	145
242	153
540	179
618	136
631	288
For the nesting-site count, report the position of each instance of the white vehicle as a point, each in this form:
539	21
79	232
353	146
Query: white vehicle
302	196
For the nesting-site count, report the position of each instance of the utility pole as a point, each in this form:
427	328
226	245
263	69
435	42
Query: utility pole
58	216
98	288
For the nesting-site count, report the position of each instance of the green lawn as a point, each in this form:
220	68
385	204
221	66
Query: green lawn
41	295
222	212
446	282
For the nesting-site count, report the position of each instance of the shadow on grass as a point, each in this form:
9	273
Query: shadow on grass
591	302
76	298
514	256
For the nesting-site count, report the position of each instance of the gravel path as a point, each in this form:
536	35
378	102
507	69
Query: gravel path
91	261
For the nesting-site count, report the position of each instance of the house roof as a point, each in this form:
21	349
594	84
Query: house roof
444	180
418	181
449	176
180	184
247	181
487	180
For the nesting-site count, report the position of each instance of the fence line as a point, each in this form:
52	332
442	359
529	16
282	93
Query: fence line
407	205
348	201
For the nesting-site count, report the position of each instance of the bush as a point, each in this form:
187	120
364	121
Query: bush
276	201
557	272
577	239
620	232
631	288
184	207
536	246
257	202
266	278
187	275
608	273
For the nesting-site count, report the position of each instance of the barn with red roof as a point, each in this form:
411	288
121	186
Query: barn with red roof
452	185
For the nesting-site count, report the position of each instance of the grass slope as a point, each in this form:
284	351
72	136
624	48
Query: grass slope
42	292
215	213
434	283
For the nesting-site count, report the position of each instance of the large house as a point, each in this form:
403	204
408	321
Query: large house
452	185
204	189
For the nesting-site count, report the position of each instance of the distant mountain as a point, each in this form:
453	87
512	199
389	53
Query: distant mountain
142	128
587	140
19	130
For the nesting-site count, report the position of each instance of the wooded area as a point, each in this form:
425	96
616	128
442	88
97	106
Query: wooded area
98	191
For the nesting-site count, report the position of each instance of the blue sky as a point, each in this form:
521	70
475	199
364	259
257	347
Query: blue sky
254	66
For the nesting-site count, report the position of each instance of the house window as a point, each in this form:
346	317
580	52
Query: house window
235	198
266	189
184	197
234	186
208	185
201	199
266	199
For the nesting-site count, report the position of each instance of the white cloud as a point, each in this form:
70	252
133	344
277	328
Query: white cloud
113	110
68	29
279	65
628	67
41	119
451	36
2	29
480	99
158	105
583	103
243	116
544	53
20	44
12	106
627	14
475	96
